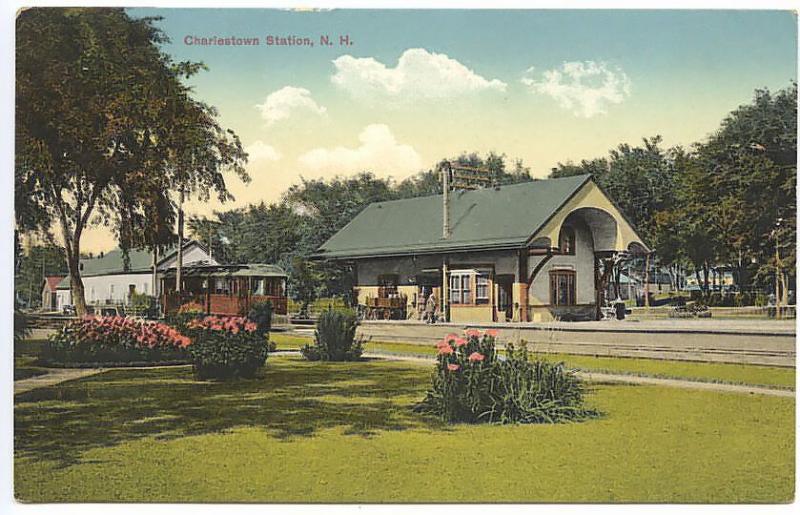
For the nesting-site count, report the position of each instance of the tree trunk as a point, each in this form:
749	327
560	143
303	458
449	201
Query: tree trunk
76	283
72	250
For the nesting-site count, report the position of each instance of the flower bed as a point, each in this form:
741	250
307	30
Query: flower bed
472	384
226	347
115	340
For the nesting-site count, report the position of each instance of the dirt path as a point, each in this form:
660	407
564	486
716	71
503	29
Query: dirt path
633	379
67	374
54	377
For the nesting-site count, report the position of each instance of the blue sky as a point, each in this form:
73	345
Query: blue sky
545	86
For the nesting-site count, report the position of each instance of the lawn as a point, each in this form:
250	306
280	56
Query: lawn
327	432
25	355
715	372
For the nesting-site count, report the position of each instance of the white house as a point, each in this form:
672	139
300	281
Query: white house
106	279
50	292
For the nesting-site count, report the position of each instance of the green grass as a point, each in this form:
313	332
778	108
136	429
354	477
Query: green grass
714	372
25	354
345	432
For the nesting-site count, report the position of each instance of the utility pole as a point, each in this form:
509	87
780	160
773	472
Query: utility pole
210	240
445	234
777	278
445	200
179	271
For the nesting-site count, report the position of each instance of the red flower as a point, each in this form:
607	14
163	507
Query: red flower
473	332
452	367
491	332
476	356
445	349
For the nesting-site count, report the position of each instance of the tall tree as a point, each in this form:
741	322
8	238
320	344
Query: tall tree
107	131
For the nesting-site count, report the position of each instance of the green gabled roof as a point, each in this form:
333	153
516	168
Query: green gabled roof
490	218
112	263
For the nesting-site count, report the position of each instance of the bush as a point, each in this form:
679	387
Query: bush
226	347
261	314
335	338
115	340
185	314
472	384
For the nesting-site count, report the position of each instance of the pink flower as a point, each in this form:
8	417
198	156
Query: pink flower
473	332
452	367
459	342
450	337
445	349
476	356
491	332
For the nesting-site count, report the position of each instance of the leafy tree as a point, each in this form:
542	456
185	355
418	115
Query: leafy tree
106	130
305	282
640	180
745	175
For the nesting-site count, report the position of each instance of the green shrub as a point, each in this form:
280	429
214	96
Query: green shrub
226	347
21	326
335	338
117	340
261	314
472	384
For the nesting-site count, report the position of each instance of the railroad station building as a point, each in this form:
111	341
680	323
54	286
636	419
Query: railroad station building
534	251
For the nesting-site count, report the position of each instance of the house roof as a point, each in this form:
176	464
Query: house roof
52	281
490	218
111	262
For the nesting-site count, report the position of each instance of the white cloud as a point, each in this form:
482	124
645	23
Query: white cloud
281	104
586	88
419	74
260	151
378	152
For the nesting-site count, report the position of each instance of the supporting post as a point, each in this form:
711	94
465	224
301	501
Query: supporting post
445	291
647	280
522	283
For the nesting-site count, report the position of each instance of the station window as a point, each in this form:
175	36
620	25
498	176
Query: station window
562	288
482	288
460	291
